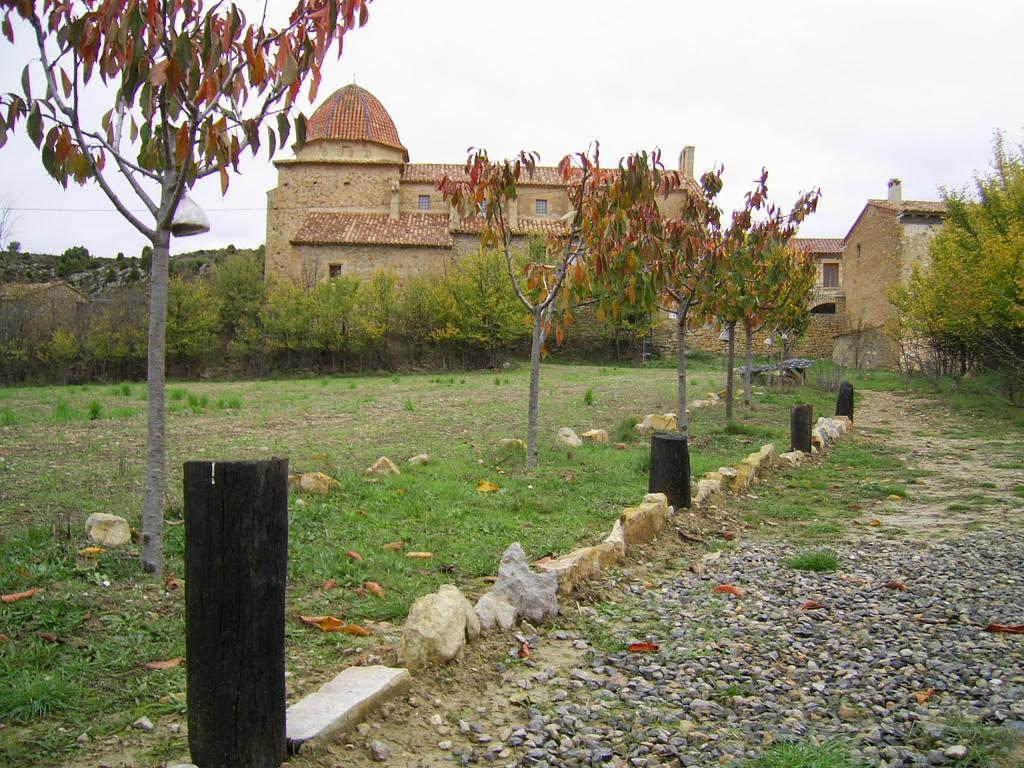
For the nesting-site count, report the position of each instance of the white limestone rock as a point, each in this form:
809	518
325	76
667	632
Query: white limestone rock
568	438
438	626
108	530
534	595
495	613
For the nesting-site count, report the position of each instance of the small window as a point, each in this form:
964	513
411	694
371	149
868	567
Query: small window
830	275
824	309
540	207
858	250
424	203
334	270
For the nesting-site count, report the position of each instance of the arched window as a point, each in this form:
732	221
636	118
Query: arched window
828	308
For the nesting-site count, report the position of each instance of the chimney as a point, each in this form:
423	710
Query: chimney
395	196
686	162
895	191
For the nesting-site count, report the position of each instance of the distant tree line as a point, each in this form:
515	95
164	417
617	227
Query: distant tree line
229	321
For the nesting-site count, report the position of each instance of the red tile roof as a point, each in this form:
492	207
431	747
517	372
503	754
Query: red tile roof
924	207
374	229
541	227
829	245
354	114
432	173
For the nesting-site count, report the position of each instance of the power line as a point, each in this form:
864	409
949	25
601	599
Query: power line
113	210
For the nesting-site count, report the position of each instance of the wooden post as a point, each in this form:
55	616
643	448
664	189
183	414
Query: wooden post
236	562
801	420
844	403
670	468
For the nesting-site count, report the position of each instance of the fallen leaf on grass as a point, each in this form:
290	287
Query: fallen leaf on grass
353	629
524	651
642	647
16	596
728	535
323	623
893	497
401	491
171	582
490	579
895	585
168	664
329	585
486	486
4	638
373	588
49	637
361	512
354	555
393	546
419	555
1012	629
923	696
811	605
875	523
729	589
91	551
856	507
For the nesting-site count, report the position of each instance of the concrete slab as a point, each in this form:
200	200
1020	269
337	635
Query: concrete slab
341	704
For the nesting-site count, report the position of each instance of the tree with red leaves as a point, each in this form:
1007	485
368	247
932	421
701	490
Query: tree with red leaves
191	87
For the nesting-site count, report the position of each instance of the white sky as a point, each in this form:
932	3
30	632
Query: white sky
830	93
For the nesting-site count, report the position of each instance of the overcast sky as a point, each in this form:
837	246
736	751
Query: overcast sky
824	93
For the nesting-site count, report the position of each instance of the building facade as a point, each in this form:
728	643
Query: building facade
351	203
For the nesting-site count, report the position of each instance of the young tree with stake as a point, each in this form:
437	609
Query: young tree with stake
190	87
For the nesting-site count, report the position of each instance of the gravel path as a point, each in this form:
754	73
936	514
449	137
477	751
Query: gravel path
734	675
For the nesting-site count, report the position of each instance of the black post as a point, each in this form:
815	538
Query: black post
670	468
801	420
844	403
236	560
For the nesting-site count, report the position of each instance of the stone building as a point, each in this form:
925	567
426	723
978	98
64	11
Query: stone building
351	203
886	241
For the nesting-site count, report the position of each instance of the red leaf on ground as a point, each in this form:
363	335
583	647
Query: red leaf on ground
16	596
524	651
898	585
1012	629
373	588
923	696
168	664
642	648
171	582
811	605
49	637
729	589
393	546
354	555
728	535
329	585
4	638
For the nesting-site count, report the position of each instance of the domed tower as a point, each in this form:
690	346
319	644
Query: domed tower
352	124
338	207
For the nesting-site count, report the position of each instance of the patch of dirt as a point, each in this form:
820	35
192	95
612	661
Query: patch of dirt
967	485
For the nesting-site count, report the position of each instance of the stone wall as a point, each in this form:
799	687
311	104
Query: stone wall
865	348
363	261
871	264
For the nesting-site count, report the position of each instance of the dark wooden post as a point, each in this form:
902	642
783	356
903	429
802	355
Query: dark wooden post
801	420
670	468
844	403
236	562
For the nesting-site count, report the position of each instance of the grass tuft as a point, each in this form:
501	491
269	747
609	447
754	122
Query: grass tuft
7	417
588	397
832	754
62	411
813	560
95	410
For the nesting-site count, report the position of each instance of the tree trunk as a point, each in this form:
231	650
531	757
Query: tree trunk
730	364
681	417
152	554
749	356
531	419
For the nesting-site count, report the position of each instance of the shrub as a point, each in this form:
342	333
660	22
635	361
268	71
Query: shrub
95	409
588	397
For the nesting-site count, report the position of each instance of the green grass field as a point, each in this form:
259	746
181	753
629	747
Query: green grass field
74	653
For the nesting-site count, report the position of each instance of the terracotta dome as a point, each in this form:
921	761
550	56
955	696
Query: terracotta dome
354	114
